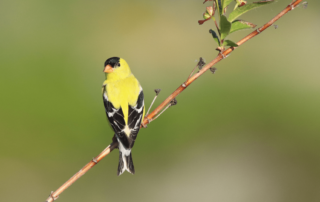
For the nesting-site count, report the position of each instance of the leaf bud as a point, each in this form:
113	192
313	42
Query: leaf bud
210	10
206	16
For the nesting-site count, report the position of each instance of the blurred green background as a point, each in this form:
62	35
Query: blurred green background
250	132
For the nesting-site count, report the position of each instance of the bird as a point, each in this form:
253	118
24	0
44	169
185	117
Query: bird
123	100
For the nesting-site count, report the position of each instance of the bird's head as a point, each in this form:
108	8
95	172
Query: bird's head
116	68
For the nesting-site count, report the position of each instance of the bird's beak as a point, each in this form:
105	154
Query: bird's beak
108	69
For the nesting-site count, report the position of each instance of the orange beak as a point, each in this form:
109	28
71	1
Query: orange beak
108	69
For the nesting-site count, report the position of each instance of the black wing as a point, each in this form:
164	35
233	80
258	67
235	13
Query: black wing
117	122
135	117
116	118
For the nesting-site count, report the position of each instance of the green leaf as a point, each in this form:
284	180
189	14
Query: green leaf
226	3
230	43
215	36
225	27
240	25
241	10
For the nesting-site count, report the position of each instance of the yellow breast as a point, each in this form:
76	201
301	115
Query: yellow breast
122	93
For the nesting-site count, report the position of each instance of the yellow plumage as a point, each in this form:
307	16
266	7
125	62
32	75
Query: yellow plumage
122	93
123	99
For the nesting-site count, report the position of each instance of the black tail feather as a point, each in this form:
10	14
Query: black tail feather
125	163
121	164
130	166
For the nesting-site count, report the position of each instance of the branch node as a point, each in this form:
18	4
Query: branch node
223	56
258	30
173	102
184	85
53	197
94	160
146	125
291	6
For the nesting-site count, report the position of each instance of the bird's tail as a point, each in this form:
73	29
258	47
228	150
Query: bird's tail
125	162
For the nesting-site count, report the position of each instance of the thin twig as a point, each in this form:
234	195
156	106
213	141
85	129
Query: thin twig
169	105
105	152
192	71
215	22
157	91
172	103
200	64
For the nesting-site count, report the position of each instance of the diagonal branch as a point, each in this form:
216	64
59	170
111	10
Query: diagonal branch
54	195
217	59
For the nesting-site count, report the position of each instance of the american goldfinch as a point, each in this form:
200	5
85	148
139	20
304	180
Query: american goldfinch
124	103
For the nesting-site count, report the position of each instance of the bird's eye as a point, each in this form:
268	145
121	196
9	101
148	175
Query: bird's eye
118	64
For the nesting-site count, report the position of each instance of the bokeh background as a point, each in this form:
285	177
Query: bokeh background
250	132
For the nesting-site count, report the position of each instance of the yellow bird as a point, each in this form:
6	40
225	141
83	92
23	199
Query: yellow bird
124	104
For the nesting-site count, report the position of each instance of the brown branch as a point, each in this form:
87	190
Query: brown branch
54	195
216	60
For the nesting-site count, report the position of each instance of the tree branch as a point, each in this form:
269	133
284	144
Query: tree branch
54	195
216	60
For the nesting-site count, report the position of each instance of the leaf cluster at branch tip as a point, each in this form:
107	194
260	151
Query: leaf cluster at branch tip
227	25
